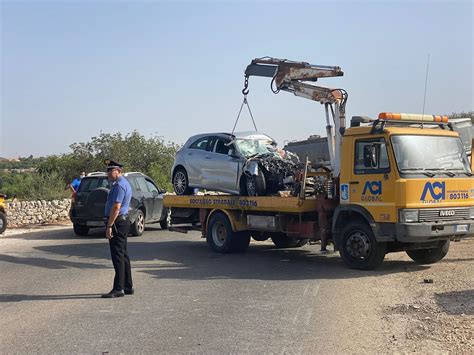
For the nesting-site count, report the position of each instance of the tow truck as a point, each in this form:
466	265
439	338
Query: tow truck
400	182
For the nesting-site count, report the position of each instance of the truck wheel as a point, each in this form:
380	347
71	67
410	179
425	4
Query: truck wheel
283	241
301	242
259	236
166	222
137	227
358	247
429	256
181	182
80	229
3	222
222	239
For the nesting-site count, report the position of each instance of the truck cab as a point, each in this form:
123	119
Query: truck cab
405	187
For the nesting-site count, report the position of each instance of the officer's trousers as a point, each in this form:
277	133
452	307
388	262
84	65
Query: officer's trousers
119	254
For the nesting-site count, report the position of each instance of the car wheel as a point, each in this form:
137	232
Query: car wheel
166	222
358	247
429	256
137	227
222	238
255	185
3	222
181	182
80	229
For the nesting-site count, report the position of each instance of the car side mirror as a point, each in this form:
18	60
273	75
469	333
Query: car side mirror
155	193
371	155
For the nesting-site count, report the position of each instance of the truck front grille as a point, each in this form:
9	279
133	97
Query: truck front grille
443	214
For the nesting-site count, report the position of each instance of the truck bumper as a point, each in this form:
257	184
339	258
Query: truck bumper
423	232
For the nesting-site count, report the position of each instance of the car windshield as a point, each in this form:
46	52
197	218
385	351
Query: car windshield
429	153
252	147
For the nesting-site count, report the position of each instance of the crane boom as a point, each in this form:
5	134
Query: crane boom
297	77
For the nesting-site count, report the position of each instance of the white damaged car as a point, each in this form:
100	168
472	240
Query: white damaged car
245	163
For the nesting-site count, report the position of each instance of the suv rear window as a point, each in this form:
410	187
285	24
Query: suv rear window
89	184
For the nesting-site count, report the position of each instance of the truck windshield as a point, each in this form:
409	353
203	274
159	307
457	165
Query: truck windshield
430	153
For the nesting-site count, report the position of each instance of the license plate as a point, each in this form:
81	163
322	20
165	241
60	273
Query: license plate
461	228
95	224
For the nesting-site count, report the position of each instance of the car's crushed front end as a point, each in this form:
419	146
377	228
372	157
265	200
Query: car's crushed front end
279	168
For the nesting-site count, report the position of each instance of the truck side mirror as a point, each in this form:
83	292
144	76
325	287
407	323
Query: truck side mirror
472	156
371	155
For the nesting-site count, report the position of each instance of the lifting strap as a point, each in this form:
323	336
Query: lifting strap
245	102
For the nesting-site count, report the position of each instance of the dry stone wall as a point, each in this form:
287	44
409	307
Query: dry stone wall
23	213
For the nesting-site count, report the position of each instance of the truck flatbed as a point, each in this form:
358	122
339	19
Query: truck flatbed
244	203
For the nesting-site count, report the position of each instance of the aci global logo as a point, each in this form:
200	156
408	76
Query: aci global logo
434	192
372	191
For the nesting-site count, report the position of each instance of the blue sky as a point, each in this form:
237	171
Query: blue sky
73	69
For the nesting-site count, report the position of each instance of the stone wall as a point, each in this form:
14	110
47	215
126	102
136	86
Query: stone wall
23	213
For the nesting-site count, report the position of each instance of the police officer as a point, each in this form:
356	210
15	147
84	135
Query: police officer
117	229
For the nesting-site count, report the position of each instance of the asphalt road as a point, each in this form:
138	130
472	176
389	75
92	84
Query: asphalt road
188	298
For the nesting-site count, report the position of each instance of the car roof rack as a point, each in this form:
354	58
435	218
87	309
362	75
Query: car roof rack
133	172
96	173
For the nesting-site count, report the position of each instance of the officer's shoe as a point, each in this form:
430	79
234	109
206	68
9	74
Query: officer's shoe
129	291
114	294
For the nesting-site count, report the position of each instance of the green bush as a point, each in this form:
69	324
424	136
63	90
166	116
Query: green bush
34	185
152	156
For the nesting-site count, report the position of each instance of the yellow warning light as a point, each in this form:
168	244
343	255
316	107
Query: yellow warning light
412	117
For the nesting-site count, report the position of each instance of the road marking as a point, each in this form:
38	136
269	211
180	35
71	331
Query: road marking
304	312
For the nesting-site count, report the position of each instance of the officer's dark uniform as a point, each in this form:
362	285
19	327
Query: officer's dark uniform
121	192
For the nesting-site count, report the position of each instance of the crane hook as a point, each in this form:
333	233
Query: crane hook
246	90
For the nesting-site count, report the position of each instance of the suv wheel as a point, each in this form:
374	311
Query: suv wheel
138	226
80	229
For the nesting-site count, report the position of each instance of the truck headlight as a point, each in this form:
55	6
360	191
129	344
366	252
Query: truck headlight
408	216
471	213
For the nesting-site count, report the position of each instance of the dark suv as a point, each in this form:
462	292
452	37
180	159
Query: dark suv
146	206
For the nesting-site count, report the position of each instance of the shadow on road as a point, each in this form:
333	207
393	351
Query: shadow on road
20	297
456	302
57	234
193	260
49	263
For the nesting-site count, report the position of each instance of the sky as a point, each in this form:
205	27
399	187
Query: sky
71	70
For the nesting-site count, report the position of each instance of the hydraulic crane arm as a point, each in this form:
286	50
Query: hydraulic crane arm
294	77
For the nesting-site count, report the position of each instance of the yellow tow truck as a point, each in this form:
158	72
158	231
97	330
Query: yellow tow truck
401	182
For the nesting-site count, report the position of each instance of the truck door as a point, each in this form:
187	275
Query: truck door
372	180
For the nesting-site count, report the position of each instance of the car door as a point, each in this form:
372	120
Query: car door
157	199
224	166
145	197
196	160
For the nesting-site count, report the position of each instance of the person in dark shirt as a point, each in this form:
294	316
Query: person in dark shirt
117	230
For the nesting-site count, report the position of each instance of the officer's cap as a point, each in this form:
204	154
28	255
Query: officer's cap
113	165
